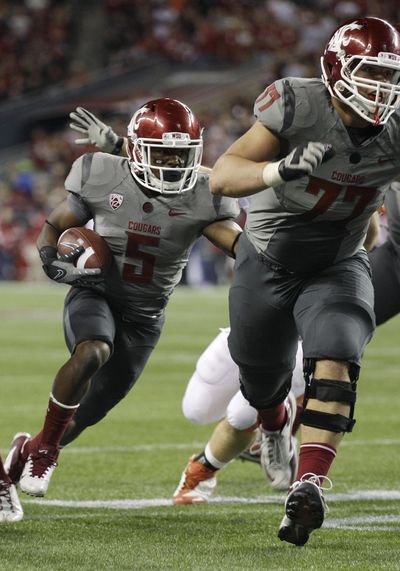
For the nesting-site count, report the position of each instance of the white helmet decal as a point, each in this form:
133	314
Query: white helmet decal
338	40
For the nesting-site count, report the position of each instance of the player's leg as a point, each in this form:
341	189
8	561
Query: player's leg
10	506
252	453
230	437
213	383
89	329
335	319
263	342
133	344
211	387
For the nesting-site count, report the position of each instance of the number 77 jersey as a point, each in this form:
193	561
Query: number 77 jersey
150	235
310	223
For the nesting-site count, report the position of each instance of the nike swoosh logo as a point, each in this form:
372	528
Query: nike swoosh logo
59	274
175	213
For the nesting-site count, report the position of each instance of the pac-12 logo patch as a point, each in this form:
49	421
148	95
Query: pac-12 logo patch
115	200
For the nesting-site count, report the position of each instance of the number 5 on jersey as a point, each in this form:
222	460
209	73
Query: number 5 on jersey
143	271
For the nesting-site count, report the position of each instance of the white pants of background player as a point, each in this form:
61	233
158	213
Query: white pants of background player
213	390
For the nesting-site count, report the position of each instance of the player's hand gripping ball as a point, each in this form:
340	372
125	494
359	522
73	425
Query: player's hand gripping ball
96	254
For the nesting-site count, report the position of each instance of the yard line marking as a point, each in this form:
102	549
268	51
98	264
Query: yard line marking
361	495
363	523
190	445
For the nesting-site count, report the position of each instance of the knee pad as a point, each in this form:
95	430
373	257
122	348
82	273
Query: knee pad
327	390
240	414
203	403
215	365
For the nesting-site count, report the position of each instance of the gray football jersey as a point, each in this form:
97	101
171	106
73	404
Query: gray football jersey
392	206
314	221
150	237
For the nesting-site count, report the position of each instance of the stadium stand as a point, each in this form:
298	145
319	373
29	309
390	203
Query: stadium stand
110	55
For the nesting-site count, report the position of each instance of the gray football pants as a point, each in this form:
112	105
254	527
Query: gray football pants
331	310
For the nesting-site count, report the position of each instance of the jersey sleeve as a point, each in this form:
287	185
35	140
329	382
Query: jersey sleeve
284	107
75	186
95	174
79	207
75	180
269	106
226	207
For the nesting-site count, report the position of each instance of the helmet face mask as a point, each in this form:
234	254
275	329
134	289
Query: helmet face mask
358	69
165	146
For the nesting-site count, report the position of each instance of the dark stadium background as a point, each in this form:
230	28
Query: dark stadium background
112	55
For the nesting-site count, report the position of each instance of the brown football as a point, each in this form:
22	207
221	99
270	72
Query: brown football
97	253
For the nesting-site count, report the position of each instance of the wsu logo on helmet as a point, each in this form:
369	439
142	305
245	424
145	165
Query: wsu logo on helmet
115	200
338	40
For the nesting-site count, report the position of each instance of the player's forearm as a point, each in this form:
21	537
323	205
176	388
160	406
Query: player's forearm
58	220
372	232
120	148
48	236
224	234
237	177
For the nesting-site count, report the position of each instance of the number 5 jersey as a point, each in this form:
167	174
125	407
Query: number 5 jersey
150	236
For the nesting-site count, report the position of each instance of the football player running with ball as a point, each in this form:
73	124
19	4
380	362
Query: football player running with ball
318	162
150	208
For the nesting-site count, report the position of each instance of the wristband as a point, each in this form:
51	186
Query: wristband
118	146
48	254
270	174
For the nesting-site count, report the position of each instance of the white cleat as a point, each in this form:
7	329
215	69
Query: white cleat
15	461
278	450
37	472
10	507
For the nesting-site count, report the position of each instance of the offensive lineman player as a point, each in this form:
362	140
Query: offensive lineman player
300	267
150	208
215	380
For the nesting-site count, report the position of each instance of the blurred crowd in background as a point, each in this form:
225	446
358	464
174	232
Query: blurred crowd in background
41	45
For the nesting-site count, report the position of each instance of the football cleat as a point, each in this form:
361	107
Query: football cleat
15	461
196	485
305	510
37	472
278	450
10	507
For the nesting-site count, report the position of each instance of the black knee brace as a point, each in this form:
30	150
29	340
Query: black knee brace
329	390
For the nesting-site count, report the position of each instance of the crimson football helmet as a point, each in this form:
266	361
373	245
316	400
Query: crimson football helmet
165	146
361	67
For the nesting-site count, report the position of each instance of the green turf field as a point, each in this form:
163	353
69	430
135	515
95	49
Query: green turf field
108	506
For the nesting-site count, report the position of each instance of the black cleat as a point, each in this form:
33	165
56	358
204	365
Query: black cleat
305	511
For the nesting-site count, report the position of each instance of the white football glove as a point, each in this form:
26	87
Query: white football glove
302	161
97	133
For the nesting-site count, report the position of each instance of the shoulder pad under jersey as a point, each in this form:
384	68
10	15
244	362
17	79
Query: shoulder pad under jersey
291	104
93	173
